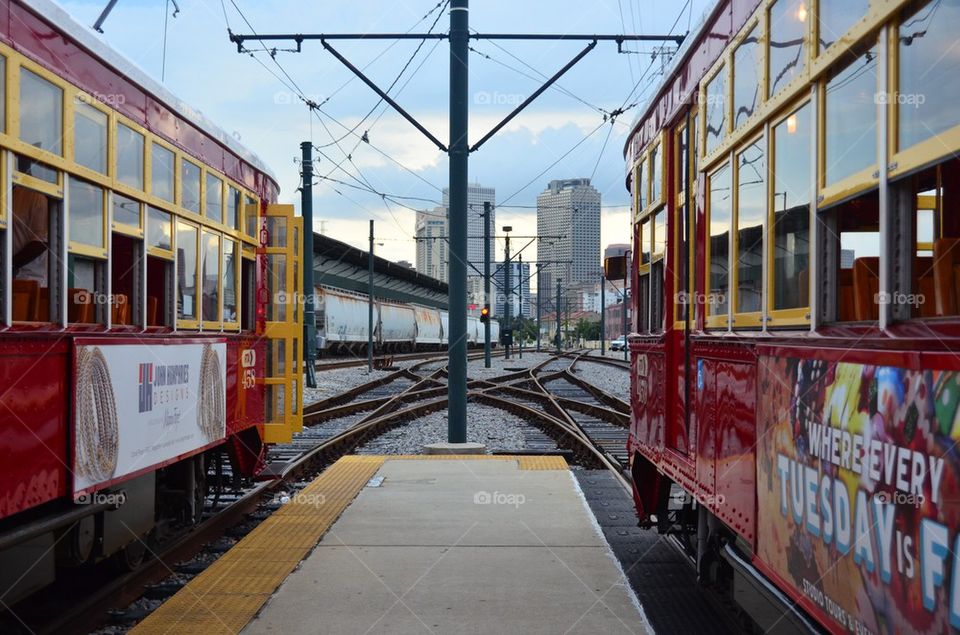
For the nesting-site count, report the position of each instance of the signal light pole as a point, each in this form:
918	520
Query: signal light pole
486	283
458	152
507	295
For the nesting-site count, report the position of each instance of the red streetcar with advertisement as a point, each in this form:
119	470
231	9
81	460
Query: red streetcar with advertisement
795	352
144	354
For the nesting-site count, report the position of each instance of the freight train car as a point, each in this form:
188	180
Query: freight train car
142	279
795	379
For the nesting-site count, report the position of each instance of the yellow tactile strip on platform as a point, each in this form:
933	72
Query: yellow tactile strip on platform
525	462
230	592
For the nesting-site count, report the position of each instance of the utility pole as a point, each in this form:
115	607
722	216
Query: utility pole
520	293
559	280
306	264
458	151
370	303
506	291
486	282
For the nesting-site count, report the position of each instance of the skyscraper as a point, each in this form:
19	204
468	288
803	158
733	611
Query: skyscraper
568	223
431	235
476	196
519	281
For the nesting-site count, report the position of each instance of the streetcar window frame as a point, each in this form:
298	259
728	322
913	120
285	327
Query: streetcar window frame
184	321
75	244
123	154
225	268
159	149
85	108
748	319
752	34
36	128
717	319
207	237
799	76
721	71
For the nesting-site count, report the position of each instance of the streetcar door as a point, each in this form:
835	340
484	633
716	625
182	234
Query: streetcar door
280	275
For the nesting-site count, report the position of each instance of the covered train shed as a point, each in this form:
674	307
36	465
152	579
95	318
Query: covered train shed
339	265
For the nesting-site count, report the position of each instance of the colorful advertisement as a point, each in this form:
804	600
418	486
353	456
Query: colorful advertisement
858	496
139	405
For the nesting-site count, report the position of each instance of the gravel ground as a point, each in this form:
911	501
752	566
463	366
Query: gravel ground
499	365
333	382
607	378
498	429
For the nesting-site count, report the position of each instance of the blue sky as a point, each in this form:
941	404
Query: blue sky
244	97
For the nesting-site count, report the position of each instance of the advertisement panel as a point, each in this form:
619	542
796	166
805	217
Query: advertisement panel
857	474
139	405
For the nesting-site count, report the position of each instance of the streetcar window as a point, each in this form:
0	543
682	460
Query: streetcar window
214	198
90	136
747	75
719	221
928	92
656	175
248	280
3	94
751	207
159	291
835	17
86	301
126	211
190	186
186	271
129	156
787	39
715	111
250	209
659	235
210	276
641	184
86	213
277	287
851	119
857	292
161	172
642	303
30	225
644	241
233	207
37	170
126	277
159	229
790	218
41	112
229	275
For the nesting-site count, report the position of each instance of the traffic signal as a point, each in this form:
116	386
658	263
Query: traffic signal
485	314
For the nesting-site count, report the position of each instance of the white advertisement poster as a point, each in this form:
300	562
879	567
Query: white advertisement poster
139	405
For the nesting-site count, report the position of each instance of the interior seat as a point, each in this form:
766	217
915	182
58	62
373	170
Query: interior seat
866	286
946	275
26	301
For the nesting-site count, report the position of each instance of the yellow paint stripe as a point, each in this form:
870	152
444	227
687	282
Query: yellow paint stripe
230	592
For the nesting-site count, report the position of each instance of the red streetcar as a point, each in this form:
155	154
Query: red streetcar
147	329
796	377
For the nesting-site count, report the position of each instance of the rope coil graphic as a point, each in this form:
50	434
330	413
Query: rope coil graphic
97	427
211	409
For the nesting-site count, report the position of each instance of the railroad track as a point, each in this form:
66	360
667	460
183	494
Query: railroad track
380	361
568	416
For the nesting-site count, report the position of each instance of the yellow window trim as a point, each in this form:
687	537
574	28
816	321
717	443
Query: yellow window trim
72	95
722	65
126	230
933	150
90	251
148	168
756	20
878	12
780	317
54	190
115	167
212	325
160	253
192	323
715	320
751	318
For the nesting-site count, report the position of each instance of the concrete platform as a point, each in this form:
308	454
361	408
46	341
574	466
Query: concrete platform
458	546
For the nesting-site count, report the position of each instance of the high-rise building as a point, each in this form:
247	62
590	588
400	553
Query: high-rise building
477	195
431	235
519	281
616	249
568	223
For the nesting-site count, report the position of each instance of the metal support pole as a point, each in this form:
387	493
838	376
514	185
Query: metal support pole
539	296
559	280
520	293
370	303
486	282
457	272
306	262
507	296
603	315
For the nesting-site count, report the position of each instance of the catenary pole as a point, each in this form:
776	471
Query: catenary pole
306	263
370	303
457	268
486	282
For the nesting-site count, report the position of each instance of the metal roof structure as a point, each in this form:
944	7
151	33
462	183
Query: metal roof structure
341	266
